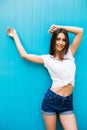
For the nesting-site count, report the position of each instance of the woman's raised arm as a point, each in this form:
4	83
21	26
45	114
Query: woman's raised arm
33	58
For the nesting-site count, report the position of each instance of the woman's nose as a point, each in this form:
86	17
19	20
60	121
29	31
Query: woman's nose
61	41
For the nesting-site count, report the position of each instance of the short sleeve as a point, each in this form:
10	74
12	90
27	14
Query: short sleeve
69	55
45	60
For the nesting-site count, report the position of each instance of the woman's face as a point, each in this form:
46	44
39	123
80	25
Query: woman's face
60	42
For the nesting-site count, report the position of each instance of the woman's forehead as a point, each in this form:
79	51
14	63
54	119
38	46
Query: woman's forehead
61	35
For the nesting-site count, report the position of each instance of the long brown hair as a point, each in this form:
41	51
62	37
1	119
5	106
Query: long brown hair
53	42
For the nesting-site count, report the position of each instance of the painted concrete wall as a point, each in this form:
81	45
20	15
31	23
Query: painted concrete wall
23	84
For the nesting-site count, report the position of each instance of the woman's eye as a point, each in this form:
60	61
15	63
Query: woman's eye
58	39
64	40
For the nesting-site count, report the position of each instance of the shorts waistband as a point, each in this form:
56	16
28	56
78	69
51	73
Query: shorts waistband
60	96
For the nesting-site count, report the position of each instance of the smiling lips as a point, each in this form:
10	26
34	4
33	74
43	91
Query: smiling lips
59	47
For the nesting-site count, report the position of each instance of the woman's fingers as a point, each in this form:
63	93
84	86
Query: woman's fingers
10	31
52	29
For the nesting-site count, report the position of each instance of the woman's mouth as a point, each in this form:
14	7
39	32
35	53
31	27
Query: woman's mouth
60	47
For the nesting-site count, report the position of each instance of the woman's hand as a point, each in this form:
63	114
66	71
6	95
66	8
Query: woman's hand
52	28
11	32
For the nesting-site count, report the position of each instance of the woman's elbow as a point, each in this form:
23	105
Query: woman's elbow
24	55
82	30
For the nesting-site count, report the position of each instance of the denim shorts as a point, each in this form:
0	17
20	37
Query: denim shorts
55	104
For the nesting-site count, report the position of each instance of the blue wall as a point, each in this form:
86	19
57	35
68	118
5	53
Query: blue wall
23	84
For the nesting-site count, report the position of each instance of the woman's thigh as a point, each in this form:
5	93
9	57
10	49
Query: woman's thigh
50	121
68	122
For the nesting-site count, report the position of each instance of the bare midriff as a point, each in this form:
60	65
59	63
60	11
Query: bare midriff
63	91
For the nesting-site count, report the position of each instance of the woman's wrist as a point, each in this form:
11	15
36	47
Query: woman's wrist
15	36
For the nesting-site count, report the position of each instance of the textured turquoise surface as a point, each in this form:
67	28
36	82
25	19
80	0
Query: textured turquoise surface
23	84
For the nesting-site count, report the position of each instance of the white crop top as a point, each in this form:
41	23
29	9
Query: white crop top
61	72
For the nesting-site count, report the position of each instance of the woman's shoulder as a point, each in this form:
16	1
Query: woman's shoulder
69	55
47	56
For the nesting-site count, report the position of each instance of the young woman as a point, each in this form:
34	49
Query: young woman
58	100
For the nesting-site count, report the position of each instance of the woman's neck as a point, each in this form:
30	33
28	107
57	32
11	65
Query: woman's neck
57	56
